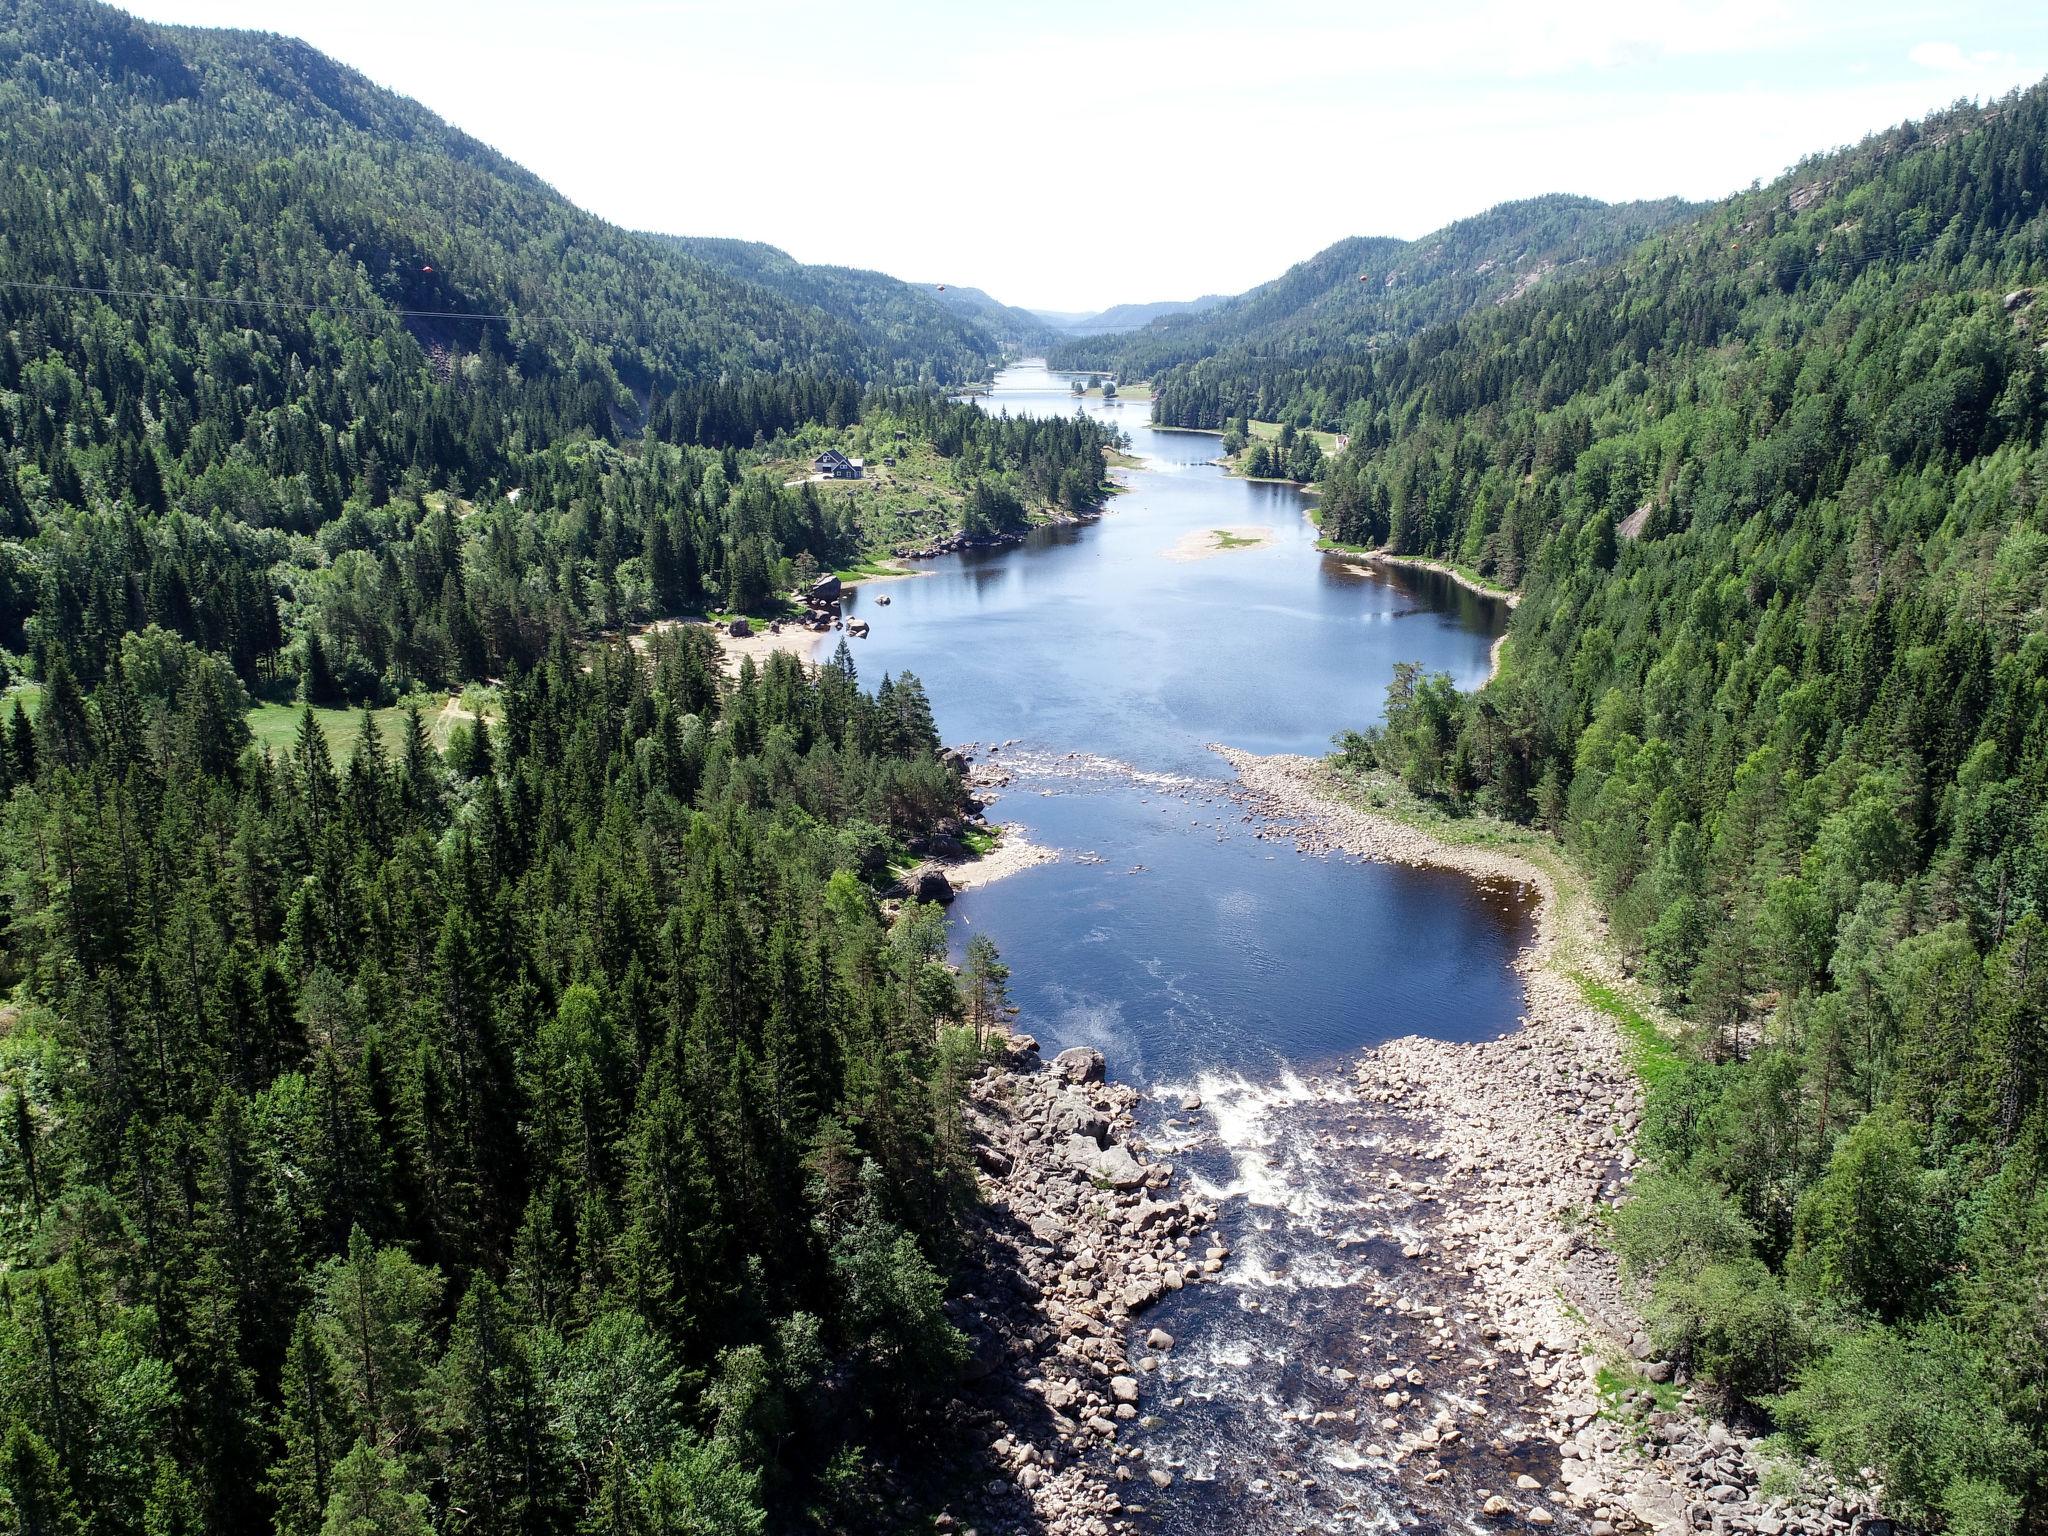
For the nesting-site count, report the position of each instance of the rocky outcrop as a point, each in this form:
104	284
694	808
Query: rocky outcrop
1520	1143
1078	1233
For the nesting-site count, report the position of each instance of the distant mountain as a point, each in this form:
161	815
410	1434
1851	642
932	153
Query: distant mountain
1128	317
1367	290
261	178
1023	328
911	319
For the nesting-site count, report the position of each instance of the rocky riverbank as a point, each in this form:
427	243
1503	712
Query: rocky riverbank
1503	1152
1419	562
1078	1233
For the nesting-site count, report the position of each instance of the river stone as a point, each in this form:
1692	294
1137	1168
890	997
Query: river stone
1141	1293
1082	1151
1117	1168
1079	1064
1159	1338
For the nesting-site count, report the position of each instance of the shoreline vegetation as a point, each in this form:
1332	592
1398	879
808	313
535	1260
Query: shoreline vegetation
1463	577
1535	1131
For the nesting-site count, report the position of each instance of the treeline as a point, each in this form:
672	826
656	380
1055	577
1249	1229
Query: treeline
1776	493
1289	455
1054	461
137	493
547	1137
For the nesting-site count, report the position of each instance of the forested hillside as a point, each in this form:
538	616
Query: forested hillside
1775	490
1285	350
1018	327
953	343
551	1134
298	373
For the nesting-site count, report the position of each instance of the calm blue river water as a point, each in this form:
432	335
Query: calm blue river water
1193	946
1097	668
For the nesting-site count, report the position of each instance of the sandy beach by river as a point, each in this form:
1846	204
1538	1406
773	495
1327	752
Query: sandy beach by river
1203	543
1012	853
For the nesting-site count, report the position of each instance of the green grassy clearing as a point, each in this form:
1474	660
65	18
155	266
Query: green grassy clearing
1652	1053
1270	432
276	726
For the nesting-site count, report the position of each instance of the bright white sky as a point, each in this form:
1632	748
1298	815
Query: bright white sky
1071	154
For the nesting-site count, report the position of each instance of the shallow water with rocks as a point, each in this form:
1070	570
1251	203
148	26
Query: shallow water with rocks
1315	1256
1231	977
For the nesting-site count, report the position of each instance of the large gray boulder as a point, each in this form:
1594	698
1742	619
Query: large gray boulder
1078	1064
929	884
1118	1169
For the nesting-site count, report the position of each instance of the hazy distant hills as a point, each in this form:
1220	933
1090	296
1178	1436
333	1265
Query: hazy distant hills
1022	328
1127	317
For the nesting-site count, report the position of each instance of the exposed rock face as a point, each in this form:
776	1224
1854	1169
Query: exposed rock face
1077	1234
927	882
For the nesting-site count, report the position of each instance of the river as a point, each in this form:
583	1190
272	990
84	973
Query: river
1193	944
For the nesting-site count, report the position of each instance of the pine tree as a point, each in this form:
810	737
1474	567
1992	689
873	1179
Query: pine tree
370	1498
41	1497
502	1462
314	1432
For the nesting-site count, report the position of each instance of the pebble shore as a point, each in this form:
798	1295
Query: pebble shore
1528	1135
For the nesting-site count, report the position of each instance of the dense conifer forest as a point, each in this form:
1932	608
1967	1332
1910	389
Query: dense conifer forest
544	1134
1774	488
548	1132
294	371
